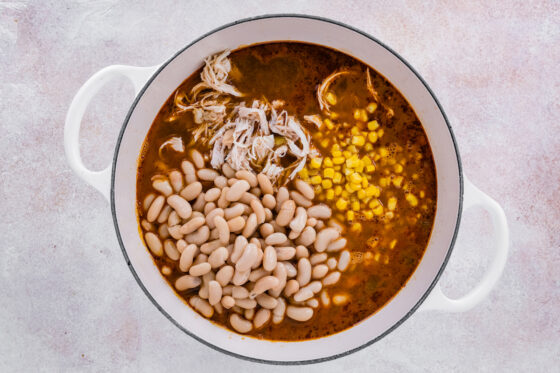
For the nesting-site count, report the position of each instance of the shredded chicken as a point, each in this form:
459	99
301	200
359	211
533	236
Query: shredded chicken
324	87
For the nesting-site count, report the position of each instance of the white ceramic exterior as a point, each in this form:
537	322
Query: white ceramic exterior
154	85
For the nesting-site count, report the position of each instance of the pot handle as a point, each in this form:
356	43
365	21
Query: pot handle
437	300
100	180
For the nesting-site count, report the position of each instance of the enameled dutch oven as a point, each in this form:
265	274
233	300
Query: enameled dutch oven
153	85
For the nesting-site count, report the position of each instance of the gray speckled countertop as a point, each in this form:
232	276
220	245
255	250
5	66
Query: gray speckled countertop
69	303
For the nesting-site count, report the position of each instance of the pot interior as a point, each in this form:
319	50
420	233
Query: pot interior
346	40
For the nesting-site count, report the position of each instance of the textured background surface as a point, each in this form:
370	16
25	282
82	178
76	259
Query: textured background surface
67	300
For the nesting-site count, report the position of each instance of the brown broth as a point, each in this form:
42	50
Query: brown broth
292	71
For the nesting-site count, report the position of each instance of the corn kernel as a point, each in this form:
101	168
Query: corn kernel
358	140
389	215
346	154
371	107
377	256
422	194
315	180
357	114
378	210
341	204
337	178
326	184
366	160
383	152
330	194
331	98
304	174
334	115
335	148
368	147
383	182
327	162
368	214
328	173
372	137
355	130
347	171
380	133
337	168
338	160
360	167
317	189
355	178
329	123
392	203
348	188
398	168
325	143
373	204
336	153
373	125
316	162
356	206
397	181
356	227
337	190
345	194
393	244
362	194
350	215
411	198
363	115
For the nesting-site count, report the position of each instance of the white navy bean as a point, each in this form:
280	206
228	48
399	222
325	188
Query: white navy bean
303	294
325	237
299	221
164	214
281	274
291	270
258	209
192	225
238	248
331	279
224	275
240	324
292	287
211	215
312	222
180	205
279	311
305	189
240	277
228	301
189	171
214	292
248	176
266	230
269	259
318	258
187	257
313	303
218	257
209	247
237	190
247	258
171	250
337	245
343	260
299	313
265	184
301	252
191	191
176	180
155	208
269	201
320	211
236	224
300	200
198	237
212	194
276	239
246	198
197	159
264	284
148	201
202	306
303	272
285	252
234	211
200	258
239	292
146	225
331	263
286	213
163	231
173	219
220	182
175	232
187	282
200	269
209	206
246	303
154	243
199	203
307	237
319	271
261	318
281	196
163	186
340	299
249	313
250	225
228	171
223	229
266	301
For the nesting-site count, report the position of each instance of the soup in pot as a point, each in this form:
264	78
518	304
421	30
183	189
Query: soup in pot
286	191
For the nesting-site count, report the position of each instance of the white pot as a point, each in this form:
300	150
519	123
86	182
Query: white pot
154	85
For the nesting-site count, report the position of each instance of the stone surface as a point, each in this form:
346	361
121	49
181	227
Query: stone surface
68	301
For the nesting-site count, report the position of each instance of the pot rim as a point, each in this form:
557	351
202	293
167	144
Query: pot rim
203	341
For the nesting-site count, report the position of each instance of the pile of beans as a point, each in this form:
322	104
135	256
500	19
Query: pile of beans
243	246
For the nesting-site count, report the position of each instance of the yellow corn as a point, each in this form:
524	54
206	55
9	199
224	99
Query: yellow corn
392	203
327	162
411	198
373	204
378	210
330	194
346	153
357	114
355	178
326	184
368	147
329	123
370	168
356	206
355	130
397	181
328	173
371	107
325	143
398	168
338	159
335	148
315	180
337	178
372	137
316	162
304	174
393	244
341	204
331	98
348	188
362	194
373	125
337	190
334	115
368	214
422	194
345	194
380	133
356	227
383	152
366	160
350	215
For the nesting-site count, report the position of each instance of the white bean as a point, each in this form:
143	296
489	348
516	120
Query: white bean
305	189
202	306
146	225
191	191
291	270
250	225
228	171
279	311
249	313
303	272
325	237
192	225
247	176
246	303
325	298
218	257
299	313
176	179
258	209
286	213
220	181
222	201
198	237
320	211
247	259
318	258
212	194
173	219
148	201
236	224
263	284
319	271
240	324
214	292
239	292
344	260
237	190
276	239
299	221
261	318
340	299
281	196
187	257
331	263
180	205
223	229
285	253
269	201
266	301
199	203
331	279
234	211
301	252
171	250
291	288
189	171
224	275
164	214
162	185
187	282
240	277
200	269
209	247
238	248
265	184
307	237
281	273
155	208
270	258
300	200
175	232
266	230
154	243
197	158
228	302
337	245
163	231
303	294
